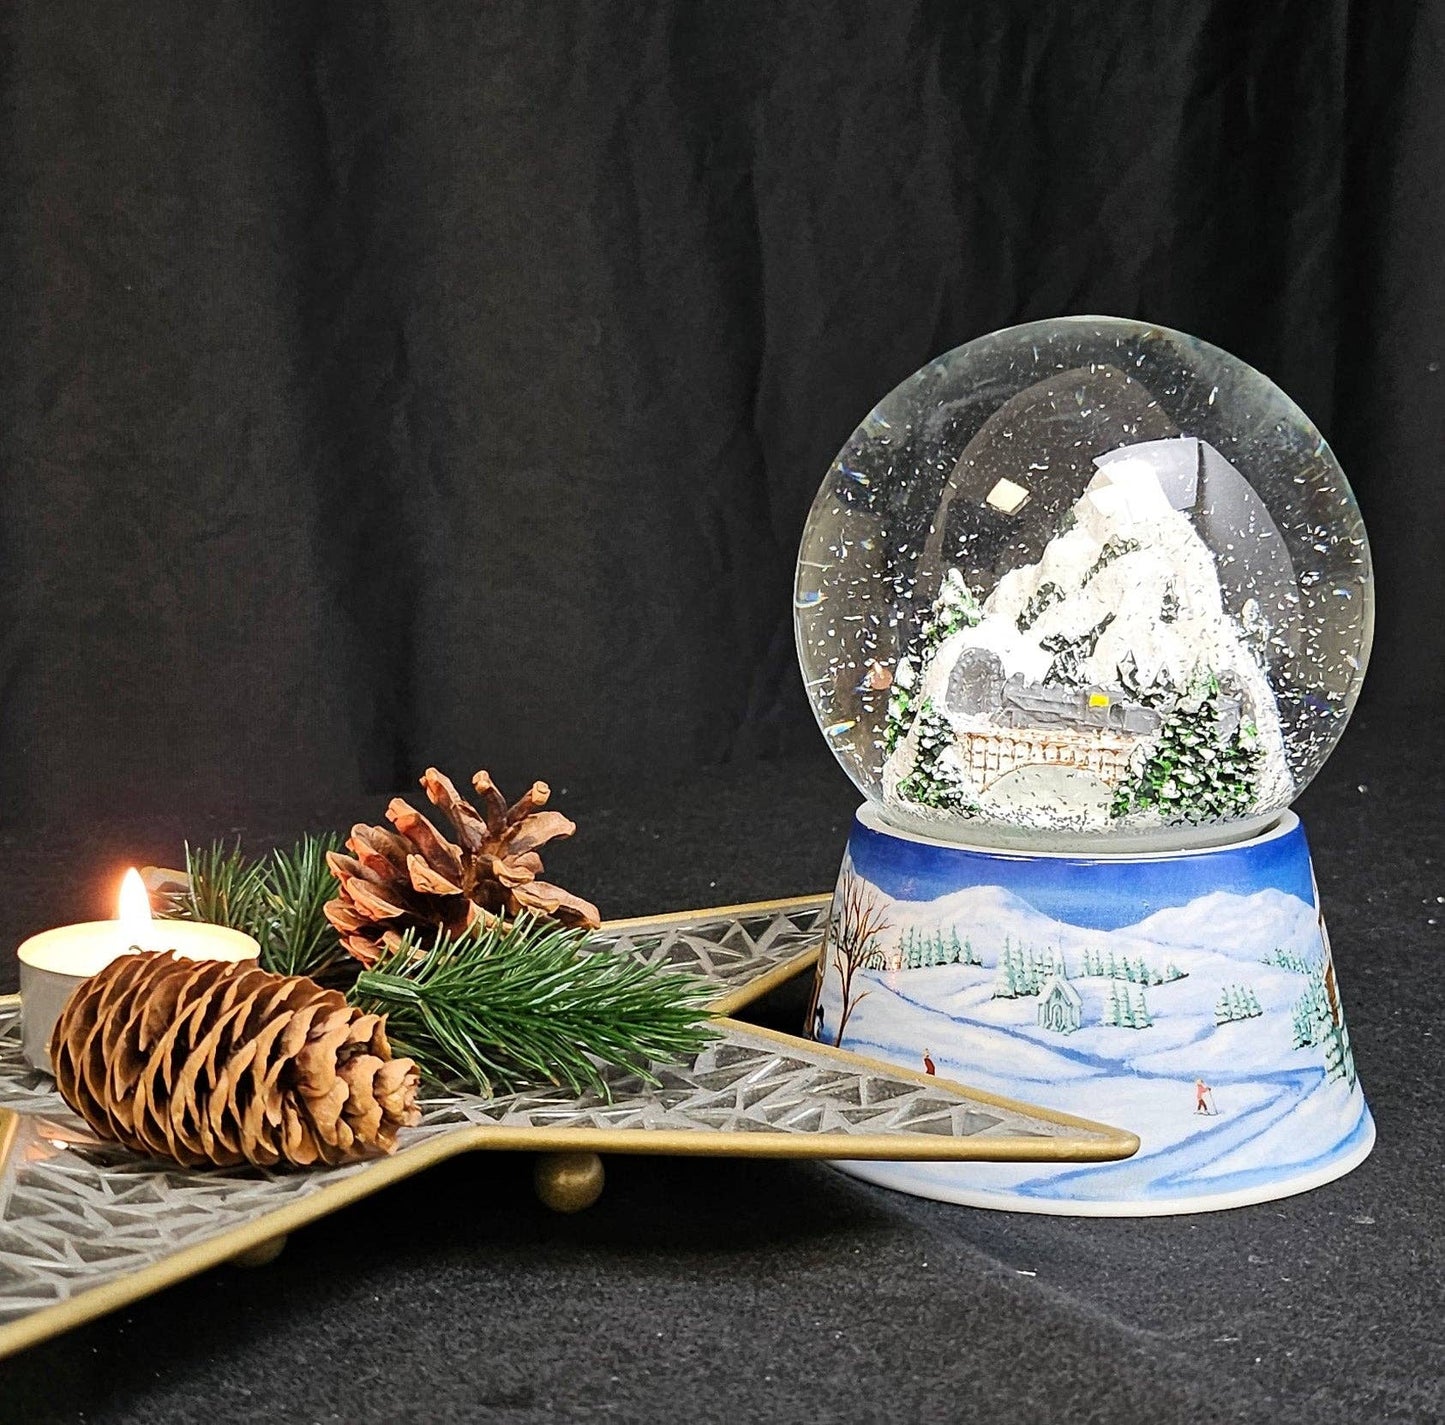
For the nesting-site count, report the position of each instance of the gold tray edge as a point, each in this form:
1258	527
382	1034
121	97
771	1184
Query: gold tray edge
1102	1143
1106	1145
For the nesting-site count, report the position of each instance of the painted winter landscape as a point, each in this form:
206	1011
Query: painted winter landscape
1212	1028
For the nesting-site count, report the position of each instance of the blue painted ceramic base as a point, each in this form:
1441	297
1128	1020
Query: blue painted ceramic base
1189	997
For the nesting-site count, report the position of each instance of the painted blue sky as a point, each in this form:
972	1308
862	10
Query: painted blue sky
1067	889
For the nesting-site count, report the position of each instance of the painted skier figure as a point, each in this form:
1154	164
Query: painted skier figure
1204	1098
928	1065
818	1024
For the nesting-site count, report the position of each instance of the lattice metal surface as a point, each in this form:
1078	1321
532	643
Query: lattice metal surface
732	949
77	1213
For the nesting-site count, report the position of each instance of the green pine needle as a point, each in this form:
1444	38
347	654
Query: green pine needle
225	888
506	1005
277	899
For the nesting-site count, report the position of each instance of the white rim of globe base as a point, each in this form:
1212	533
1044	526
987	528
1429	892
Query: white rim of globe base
888	1175
1273	828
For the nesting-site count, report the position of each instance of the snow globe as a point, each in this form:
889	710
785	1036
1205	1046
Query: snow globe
1081	607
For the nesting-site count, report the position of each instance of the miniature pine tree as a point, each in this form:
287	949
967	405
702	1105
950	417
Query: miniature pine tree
1111	1010
1346	1054
1299	1029
957	949
1194	771
1221	1008
1126	1007
935	781
902	705
1139	1010
955	607
1004	984
1336	1049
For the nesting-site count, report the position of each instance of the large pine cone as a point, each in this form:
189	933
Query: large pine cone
209	1062
414	878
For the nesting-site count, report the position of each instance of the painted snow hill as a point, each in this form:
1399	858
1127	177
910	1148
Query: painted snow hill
1211	1028
1107	687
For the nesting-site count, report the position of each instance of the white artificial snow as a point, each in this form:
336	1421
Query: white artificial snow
1163	559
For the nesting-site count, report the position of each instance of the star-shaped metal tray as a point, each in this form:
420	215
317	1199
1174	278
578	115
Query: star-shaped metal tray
86	1226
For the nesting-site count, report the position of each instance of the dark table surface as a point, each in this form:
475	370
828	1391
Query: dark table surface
750	1290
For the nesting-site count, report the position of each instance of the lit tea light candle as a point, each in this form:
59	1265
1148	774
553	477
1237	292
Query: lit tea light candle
54	962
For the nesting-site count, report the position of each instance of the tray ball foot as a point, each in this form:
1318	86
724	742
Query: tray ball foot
262	1254
568	1182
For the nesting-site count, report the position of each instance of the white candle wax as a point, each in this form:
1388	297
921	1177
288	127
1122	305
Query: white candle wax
54	962
83	949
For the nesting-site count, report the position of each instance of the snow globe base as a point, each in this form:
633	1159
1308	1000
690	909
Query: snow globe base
1187	996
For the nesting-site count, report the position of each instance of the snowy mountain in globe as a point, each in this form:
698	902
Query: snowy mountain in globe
1212	1029
1108	685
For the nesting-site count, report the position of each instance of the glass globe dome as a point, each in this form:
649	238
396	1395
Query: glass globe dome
1084	583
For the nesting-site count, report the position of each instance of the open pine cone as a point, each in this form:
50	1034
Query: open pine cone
210	1062
414	878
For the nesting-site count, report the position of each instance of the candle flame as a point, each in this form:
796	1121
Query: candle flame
135	905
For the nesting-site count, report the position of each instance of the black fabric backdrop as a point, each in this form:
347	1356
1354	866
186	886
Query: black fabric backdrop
393	383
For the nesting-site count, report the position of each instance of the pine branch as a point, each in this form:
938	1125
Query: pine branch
299	883
508	1004
223	887
277	899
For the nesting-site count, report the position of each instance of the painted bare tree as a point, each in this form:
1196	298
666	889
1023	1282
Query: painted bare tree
855	926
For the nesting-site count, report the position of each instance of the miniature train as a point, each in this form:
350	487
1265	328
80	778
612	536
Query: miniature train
977	688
